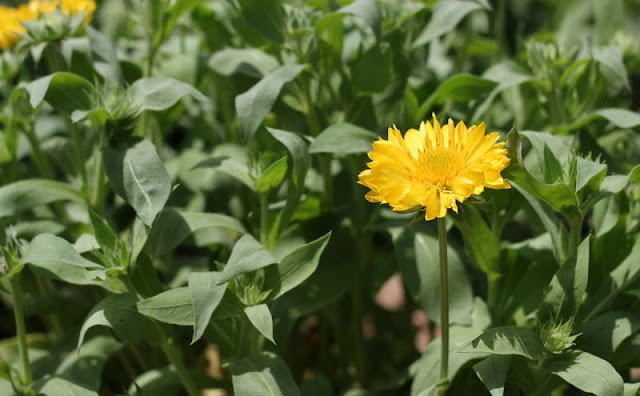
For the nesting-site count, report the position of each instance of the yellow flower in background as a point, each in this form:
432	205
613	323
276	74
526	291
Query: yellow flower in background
10	27
11	19
434	167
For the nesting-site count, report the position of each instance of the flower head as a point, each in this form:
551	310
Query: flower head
13	19
434	167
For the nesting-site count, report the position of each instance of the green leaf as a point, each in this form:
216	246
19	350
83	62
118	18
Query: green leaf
54	257
612	65
118	312
446	16
262	375
427	368
566	291
459	87
248	61
61	387
172	227
492	371
603	334
480	242
267	20
621	118
273	175
232	160
260	317
64	91
105	236
26	194
138	175
247	255
103	48
297	266
631	389
557	195
368	80
589	173
342	139
253	105
299	153
173	306
587	372
508	340
367	10
206	294
605	215
160	93
418	257
85	367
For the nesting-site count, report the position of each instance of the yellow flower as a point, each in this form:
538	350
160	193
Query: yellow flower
74	7
10	27
435	167
11	19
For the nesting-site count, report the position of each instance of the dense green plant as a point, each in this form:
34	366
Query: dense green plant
180	209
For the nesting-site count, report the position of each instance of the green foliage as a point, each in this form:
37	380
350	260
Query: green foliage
180	208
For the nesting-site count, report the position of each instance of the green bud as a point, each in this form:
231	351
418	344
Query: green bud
556	338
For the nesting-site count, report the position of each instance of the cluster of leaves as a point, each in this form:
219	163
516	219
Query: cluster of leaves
179	203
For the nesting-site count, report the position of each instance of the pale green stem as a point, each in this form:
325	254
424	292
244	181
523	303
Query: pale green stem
443	384
173	355
264	218
16	292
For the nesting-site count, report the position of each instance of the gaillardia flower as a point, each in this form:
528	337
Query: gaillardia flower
434	167
12	19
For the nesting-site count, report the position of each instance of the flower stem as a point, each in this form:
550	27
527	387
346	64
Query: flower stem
173	356
264	218
16	292
443	384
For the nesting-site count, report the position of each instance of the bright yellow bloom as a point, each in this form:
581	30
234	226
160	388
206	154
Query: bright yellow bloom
10	27
11	19
435	167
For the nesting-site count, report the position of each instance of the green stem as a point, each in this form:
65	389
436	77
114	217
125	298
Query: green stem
556	101
174	357
37	155
77	148
443	384
99	178
264	218
16	292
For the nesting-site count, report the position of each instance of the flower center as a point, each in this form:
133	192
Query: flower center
438	166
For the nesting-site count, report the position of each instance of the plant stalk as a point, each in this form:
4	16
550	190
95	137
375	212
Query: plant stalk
264	218
16	292
443	384
172	355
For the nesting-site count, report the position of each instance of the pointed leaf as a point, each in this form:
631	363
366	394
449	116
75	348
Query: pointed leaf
297	266
247	255
446	15
260	317
64	91
587	372
206	294
253	105
262	375
172	306
343	139
26	194
54	257
160	93
508	340
118	312
492	371
172	227
138	175
567	288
